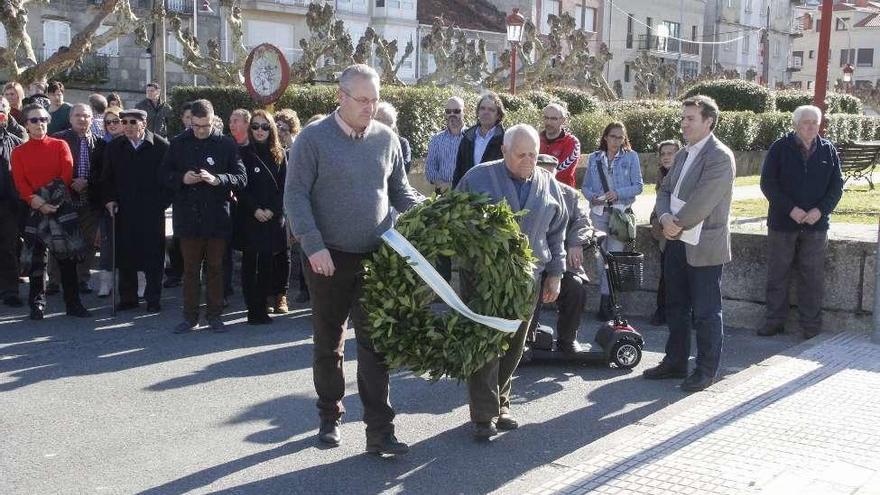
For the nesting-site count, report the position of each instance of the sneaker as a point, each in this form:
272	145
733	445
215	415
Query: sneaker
217	325
281	307
185	327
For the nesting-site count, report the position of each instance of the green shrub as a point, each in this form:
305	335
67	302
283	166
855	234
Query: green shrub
737	130
309	100
771	126
622	106
789	99
578	101
225	99
419	113
647	128
588	127
735	95
529	114
843	103
846	128
540	98
514	102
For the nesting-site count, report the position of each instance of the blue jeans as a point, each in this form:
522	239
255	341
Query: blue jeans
693	298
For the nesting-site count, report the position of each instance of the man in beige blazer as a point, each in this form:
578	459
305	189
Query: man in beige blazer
693	205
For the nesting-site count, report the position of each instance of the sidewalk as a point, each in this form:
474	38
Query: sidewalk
805	422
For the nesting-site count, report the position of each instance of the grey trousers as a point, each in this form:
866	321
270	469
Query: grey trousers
801	253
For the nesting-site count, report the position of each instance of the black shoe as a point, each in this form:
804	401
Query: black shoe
329	432
302	298
225	302
809	334
153	307
217	325
659	317
388	444
506	422
84	288
769	330
259	320
566	347
122	306
664	371
604	311
485	431
185	327
37	313
696	382
13	301
52	289
171	282
78	311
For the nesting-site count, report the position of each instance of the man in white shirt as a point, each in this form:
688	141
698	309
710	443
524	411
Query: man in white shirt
693	205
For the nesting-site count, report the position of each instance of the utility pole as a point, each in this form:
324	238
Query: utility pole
876	337
195	33
765	69
159	48
822	59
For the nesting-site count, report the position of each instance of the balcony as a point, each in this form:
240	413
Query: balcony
665	44
179	6
795	64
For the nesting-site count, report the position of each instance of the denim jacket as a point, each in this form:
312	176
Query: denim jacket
625	179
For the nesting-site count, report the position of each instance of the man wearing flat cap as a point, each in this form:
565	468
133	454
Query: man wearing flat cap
136	198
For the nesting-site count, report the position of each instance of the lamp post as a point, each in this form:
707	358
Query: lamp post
848	70
515	22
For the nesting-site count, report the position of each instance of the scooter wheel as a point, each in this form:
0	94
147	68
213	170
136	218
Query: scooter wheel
626	354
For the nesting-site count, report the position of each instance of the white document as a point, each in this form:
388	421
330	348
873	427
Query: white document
690	236
439	285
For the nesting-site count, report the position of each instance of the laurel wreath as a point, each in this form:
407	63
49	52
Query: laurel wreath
495	260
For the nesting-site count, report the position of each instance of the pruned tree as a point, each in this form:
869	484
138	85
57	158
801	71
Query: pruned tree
458	60
328	40
386	52
210	64
653	77
19	60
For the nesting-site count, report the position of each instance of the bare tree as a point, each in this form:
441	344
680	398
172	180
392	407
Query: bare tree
211	64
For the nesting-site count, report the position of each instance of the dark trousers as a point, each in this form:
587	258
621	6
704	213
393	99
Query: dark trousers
68	275
661	285
9	236
128	285
280	273
334	300
228	270
89	219
256	280
194	251
801	252
692	290
174	269
570	303
489	387
298	261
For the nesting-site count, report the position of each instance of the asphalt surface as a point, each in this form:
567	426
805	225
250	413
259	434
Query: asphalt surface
122	405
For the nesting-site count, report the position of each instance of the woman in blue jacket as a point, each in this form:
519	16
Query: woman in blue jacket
613	180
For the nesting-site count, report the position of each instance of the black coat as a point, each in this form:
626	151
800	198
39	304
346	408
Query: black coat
265	190
201	210
96	158
133	179
8	193
465	159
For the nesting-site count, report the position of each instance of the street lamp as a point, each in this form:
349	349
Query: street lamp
515	22
848	70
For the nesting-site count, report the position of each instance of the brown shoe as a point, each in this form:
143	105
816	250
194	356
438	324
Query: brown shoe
281	305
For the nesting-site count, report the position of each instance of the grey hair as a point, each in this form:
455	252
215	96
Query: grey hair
512	133
559	108
804	110
388	110
457	99
357	71
82	106
241	112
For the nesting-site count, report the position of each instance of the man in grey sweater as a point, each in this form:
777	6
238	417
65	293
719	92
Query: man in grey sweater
348	175
516	179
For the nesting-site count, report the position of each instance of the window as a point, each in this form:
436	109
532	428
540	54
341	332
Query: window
585	18
648	30
840	23
549	7
746	42
629	31
847	56
748	5
665	31
694	33
730	45
491	60
380	3
809	85
818	27
111	49
797	84
173	47
865	58
392	4
812	54
797	59
690	69
775	48
626	72
55	35
276	33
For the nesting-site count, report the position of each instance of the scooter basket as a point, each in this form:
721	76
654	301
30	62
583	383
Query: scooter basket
626	270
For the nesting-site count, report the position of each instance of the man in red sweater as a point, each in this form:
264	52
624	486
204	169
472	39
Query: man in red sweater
35	164
560	143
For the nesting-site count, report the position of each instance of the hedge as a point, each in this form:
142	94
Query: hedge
735	95
578	101
789	99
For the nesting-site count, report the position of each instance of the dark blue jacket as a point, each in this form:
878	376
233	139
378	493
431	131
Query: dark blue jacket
787	180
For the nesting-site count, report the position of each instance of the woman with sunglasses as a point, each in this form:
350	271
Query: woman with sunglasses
112	129
36	164
613	180
265	265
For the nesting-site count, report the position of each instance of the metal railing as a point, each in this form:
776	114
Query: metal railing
666	44
180	6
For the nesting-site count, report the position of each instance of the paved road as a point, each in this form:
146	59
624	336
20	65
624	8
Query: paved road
121	405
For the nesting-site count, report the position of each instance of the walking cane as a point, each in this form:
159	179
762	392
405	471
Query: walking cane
113	259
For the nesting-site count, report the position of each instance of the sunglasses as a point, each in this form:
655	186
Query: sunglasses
36	120
452	111
112	121
257	127
130	121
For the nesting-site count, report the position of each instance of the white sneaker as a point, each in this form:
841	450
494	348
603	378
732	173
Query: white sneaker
106	283
142	284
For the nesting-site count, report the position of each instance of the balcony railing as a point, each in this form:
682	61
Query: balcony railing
667	45
180	6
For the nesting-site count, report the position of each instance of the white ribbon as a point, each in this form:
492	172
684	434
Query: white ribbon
439	285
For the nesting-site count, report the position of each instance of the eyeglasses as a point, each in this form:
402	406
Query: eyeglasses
614	137
257	127
112	121
130	121
452	111
363	100
40	120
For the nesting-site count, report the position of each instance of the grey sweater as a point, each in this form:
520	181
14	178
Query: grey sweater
338	190
547	217
579	230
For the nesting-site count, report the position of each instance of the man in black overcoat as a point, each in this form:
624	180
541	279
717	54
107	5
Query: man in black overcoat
135	194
